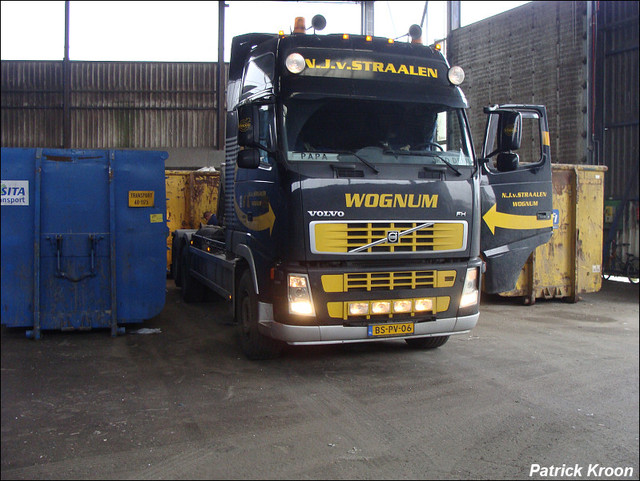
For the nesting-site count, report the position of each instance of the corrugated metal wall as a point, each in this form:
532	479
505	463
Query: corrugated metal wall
146	105
616	123
31	104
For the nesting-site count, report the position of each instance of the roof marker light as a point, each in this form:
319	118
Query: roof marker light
368	38
345	36
390	40
438	47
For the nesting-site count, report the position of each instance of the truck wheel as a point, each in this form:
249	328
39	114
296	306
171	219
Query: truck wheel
255	345
192	290
427	342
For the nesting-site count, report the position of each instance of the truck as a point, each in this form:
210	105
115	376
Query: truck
352	205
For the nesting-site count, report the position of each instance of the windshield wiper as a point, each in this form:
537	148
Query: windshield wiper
425	154
351	152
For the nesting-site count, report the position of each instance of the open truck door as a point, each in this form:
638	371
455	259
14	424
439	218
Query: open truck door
516	191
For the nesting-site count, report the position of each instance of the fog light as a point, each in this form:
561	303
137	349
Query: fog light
358	308
301	307
469	295
469	299
402	306
381	307
422	305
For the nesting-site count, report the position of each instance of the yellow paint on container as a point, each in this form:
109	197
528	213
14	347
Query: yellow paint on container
569	264
189	195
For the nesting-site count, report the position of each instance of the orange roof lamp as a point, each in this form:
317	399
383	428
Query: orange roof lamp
318	22
299	26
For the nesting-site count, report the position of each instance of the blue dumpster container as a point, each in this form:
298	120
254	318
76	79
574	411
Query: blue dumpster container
83	238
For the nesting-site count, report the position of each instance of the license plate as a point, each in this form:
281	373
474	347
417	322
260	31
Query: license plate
384	330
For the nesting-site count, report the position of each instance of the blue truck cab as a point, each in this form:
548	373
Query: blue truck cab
352	206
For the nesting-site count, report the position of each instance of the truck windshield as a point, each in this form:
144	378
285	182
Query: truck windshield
380	131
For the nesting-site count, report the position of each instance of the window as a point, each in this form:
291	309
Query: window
266	135
530	151
394	132
258	75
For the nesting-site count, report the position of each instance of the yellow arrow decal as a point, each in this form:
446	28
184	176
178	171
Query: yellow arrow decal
494	219
261	222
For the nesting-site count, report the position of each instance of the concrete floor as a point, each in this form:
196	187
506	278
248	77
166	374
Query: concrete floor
551	384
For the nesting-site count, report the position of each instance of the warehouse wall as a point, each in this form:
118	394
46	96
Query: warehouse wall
615	118
580	59
616	94
115	105
533	54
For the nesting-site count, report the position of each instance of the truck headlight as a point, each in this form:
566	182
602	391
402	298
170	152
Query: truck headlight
299	294
295	63
470	290
456	75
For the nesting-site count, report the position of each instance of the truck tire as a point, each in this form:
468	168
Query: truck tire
427	342
192	290
255	345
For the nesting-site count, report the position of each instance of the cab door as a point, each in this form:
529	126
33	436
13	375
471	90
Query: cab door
516	191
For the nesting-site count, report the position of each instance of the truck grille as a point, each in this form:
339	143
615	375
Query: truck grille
387	237
387	281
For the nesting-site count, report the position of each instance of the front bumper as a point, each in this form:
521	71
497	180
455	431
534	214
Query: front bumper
336	334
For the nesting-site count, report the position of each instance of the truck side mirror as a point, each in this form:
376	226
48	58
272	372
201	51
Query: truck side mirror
509	131
248	158
507	161
248	125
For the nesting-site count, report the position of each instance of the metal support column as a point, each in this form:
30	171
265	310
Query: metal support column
37	226
66	84
221	78
424	22
453	16
112	247
367	18
593	157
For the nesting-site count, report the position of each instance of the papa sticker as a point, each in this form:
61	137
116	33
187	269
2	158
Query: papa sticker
15	192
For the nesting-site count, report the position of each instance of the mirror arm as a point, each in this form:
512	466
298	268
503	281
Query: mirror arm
258	145
492	154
